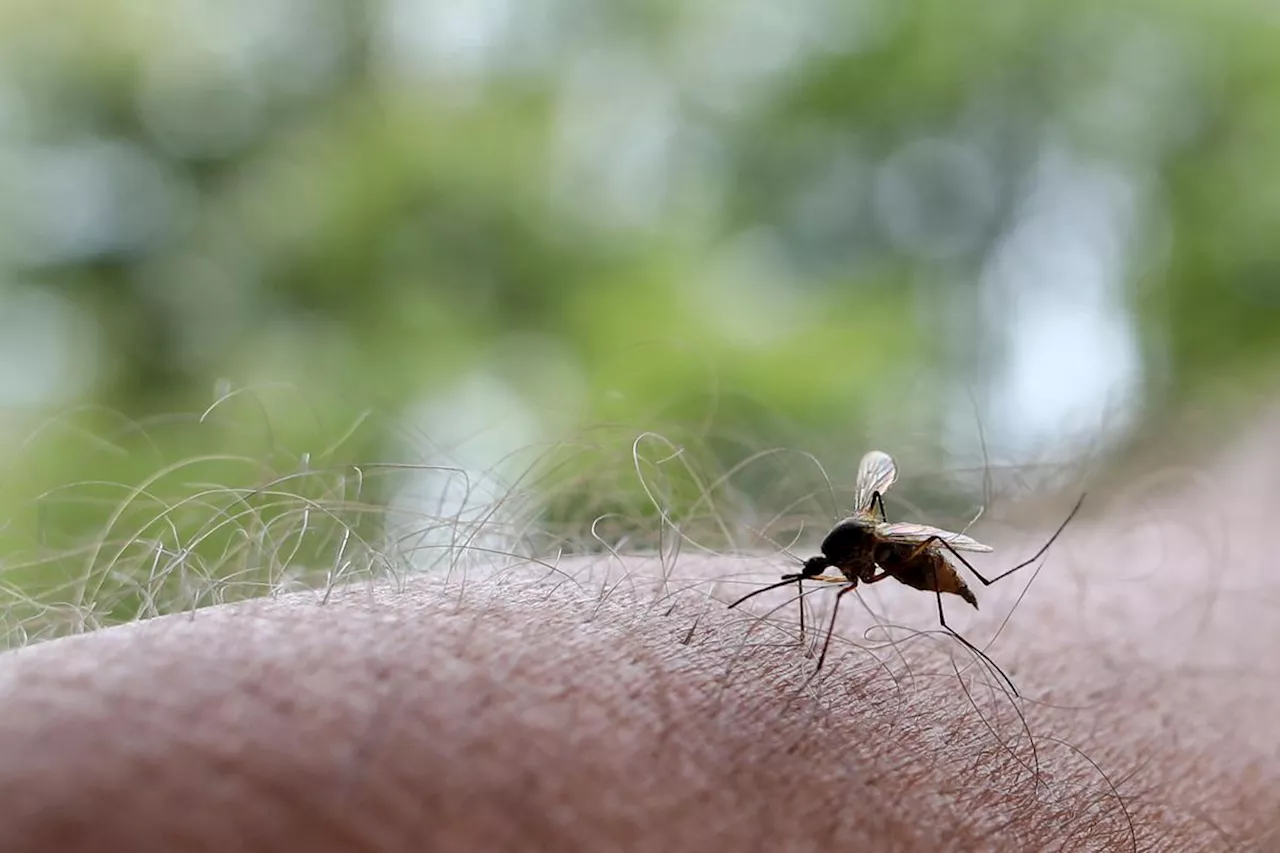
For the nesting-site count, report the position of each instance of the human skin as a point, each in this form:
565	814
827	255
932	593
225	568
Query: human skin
619	705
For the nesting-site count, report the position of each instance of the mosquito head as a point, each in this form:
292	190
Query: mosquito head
814	566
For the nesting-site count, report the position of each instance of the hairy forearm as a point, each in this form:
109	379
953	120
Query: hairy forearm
528	710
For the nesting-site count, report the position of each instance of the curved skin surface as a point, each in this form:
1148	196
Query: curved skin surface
602	707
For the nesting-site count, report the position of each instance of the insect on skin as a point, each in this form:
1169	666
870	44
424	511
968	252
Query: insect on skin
866	547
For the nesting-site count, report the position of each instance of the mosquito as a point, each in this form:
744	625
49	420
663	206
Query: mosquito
866	547
850	545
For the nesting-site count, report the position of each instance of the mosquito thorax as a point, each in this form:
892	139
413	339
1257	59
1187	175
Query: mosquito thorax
849	537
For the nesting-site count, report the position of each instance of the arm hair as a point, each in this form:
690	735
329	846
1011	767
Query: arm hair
618	705
527	711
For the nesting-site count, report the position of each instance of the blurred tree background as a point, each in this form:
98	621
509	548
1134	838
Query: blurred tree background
230	231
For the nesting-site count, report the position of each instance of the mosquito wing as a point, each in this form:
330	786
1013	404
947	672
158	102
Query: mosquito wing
912	534
876	473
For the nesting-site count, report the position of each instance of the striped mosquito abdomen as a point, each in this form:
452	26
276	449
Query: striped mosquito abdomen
923	568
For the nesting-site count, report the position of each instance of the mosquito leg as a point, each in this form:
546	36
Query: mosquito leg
799	579
988	582
942	620
832	626
800	601
938	540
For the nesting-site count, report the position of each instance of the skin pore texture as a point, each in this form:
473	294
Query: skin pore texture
616	704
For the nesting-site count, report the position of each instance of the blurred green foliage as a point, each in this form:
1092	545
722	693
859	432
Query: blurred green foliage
746	224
